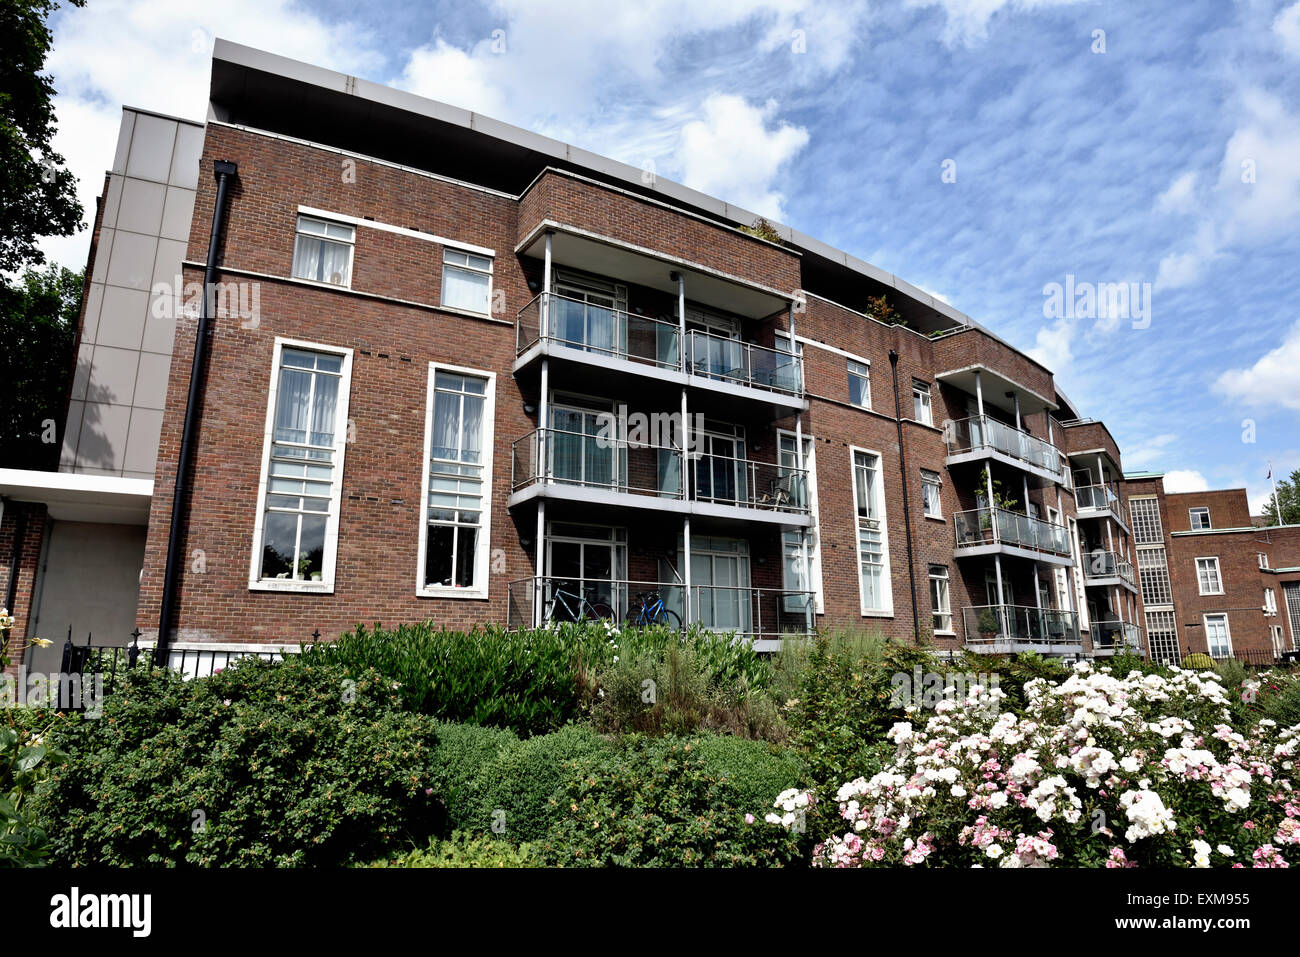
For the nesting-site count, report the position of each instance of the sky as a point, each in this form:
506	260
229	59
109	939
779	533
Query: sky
983	150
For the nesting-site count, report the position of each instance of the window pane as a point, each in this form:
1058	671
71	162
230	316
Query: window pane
466	540
311	546
438	555
462	289
278	542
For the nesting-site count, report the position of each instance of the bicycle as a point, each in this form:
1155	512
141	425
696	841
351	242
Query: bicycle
652	611
572	607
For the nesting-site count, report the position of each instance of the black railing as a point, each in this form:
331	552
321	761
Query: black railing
90	671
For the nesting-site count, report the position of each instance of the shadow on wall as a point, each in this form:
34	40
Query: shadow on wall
94	447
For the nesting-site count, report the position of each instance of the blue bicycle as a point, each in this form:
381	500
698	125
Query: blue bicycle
653	611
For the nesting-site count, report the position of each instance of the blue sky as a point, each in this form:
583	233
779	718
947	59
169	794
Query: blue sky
1171	159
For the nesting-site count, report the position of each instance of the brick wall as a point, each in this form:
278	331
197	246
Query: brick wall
19	561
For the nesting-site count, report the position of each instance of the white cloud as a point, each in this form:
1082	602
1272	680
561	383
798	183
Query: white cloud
157	55
1271	380
1052	346
1287	27
1185	480
732	152
1178	197
452	75
1257	195
1149	451
968	20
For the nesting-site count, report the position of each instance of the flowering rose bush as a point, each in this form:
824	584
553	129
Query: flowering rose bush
1098	771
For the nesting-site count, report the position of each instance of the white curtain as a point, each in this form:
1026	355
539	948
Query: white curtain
306	258
291	406
472	435
327	392
464	290
446	425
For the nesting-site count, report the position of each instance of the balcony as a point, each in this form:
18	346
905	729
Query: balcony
764	616
1008	629
1098	501
989	531
1112	636
613	343
1108	568
596	469
981	437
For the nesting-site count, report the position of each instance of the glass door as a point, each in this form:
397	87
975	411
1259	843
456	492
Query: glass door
586	564
720	584
720	467
590	315
580	452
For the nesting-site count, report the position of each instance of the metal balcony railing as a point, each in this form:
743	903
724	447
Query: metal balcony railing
599	329
747	612
993	624
562	457
981	433
1098	564
606	331
1101	498
1000	526
744	363
1115	634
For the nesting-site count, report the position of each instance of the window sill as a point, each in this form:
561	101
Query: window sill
346	287
301	587
945	634
937	518
440	591
878	613
470	313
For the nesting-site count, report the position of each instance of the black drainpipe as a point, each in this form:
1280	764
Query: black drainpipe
224	171
907	509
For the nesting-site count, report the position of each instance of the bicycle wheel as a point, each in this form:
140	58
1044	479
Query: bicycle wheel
602	612
635	619
666	616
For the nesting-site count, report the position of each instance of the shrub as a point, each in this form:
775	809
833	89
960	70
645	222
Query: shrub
521	788
461	753
26	760
1199	662
845	702
752	770
657	803
528	681
1096	772
682	687
284	764
465	850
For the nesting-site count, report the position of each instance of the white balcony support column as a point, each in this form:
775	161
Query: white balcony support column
1015	397
802	478
681	322
545	330
979	393
1038	591
686	571
1002	608
544	422
1110	538
539	563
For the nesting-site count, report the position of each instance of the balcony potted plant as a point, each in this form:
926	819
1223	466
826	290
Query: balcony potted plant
988	624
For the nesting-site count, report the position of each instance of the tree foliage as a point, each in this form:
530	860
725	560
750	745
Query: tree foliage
37	194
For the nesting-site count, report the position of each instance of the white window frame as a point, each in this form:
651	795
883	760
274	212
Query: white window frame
466	251
1270	602
935	610
863	372
938	493
351	244
1263	560
814	530
1218	574
886	575
483	555
1227	632
330	555
920	388
1191	519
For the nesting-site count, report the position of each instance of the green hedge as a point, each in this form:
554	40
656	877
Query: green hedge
287	764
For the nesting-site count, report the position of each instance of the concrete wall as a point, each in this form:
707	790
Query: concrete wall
90	581
124	351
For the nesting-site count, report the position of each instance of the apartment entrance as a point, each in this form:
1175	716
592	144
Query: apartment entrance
585	562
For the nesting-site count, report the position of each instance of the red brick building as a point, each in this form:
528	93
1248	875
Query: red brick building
457	371
1213	580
